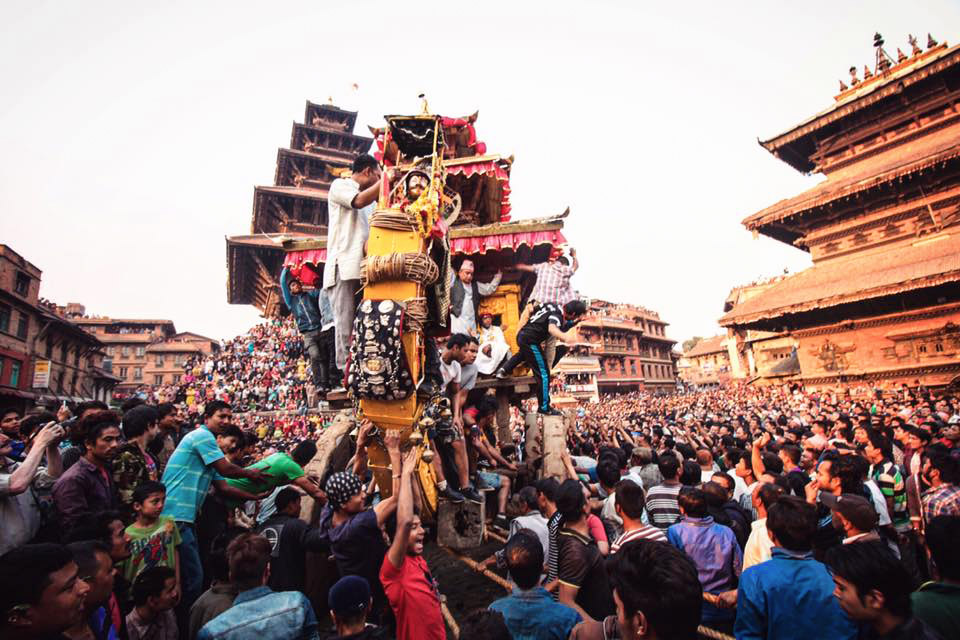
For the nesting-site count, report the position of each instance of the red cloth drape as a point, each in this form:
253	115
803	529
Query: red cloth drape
501	241
296	259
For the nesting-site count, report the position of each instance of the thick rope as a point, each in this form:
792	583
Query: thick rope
412	265
450	620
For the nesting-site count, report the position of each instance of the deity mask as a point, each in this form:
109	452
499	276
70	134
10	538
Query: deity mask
417	183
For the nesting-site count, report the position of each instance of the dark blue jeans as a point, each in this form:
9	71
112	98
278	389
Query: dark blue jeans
191	567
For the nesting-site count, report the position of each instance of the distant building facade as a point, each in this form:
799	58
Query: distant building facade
628	351
706	364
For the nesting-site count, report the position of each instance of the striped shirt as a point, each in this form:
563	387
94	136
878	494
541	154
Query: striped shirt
554	524
888	478
189	474
553	283
645	532
662	505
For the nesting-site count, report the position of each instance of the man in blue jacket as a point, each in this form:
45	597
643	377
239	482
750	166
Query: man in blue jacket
315	323
790	595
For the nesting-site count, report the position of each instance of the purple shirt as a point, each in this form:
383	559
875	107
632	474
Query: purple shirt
712	547
83	488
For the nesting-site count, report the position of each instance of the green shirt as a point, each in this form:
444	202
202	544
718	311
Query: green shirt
938	604
152	547
282	470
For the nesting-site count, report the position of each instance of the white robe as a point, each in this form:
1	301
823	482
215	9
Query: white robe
499	349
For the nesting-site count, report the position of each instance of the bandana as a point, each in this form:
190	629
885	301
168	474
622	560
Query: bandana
341	487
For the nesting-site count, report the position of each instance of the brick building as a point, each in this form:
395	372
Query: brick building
707	363
881	303
630	346
165	359
126	341
37	337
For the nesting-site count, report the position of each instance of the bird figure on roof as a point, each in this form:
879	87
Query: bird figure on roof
912	39
854	81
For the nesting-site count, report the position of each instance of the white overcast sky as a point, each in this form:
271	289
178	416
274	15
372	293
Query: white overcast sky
132	133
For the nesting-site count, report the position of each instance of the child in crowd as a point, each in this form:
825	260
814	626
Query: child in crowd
154	538
155	593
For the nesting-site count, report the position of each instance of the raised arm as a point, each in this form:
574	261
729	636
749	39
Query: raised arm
525	267
385	508
367	196
285	286
398	548
756	460
21	479
576	263
486	288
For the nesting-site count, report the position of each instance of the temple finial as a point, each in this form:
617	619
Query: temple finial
884	61
424	107
843	87
915	48
854	81
901	56
931	43
867	74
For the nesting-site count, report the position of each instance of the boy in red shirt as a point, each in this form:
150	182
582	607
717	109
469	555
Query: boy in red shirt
406	579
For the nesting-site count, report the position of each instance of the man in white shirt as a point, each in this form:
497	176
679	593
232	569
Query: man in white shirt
493	346
346	239
460	351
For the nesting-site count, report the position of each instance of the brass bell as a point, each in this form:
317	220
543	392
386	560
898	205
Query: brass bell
426	422
446	414
416	437
427	455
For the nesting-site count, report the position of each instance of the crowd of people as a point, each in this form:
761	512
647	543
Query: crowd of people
765	512
756	512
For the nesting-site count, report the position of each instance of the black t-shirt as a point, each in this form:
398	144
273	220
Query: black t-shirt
537	328
290	539
581	565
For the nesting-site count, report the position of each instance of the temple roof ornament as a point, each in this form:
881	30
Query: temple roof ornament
884	61
885	66
912	40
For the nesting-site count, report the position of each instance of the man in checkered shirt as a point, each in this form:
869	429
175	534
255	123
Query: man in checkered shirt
553	278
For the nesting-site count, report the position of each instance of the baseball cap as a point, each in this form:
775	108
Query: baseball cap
350	594
857	509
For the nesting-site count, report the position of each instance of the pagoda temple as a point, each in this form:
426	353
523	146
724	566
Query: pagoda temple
295	205
881	303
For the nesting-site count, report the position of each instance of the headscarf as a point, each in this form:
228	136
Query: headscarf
341	487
